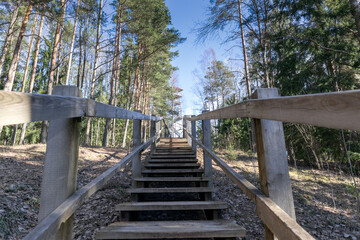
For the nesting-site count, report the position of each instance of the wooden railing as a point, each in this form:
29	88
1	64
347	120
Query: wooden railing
59	200
274	203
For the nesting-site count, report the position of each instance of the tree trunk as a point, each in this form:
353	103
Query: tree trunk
246	65
72	43
9	36
23	129
36	55
33	74
43	135
15	60
80	58
13	139
93	78
29	52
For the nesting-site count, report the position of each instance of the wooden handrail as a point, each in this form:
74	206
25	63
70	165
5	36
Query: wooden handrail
19	108
339	110
276	219
48	226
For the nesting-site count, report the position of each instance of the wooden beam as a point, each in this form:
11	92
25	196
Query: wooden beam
233	111
45	229
22	107
136	162
339	110
61	161
206	128
273	165
193	132
108	111
279	222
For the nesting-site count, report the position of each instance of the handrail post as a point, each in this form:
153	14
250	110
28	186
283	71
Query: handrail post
207	143
160	124
184	127
61	161
152	133
187	127
273	165
193	133
136	162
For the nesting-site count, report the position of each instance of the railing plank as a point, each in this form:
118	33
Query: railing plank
279	222
108	111
18	108
52	222
339	110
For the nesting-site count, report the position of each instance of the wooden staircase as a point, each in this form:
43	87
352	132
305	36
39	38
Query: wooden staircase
172	200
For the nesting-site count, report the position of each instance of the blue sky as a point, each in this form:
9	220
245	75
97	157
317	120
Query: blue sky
185	15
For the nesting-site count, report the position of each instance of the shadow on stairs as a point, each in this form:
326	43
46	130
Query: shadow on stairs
171	200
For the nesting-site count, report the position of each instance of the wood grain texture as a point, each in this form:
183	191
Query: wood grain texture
45	229
21	107
339	110
279	222
273	166
61	161
173	205
171	229
171	190
108	111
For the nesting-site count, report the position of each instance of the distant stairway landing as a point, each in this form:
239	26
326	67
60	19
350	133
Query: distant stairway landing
171	200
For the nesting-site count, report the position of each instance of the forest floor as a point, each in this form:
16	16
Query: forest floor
325	202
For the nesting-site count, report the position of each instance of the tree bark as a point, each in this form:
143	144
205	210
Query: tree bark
15	60
80	59
246	64
29	52
9	36
33	74
43	135
93	78
36	55
72	43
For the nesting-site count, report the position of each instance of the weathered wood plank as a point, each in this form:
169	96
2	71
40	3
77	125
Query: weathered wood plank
22	107
206	127
273	165
108	111
340	110
279	222
172	205
171	190
61	161
171	179
171	229
52	222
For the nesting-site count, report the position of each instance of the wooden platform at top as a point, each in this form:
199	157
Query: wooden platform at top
172	170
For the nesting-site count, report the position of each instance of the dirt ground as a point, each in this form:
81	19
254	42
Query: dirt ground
325	204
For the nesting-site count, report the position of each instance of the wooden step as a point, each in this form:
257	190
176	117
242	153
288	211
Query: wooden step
173	160
176	205
171	190
172	165
172	179
174	149
172	153
172	171
169	156
171	229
